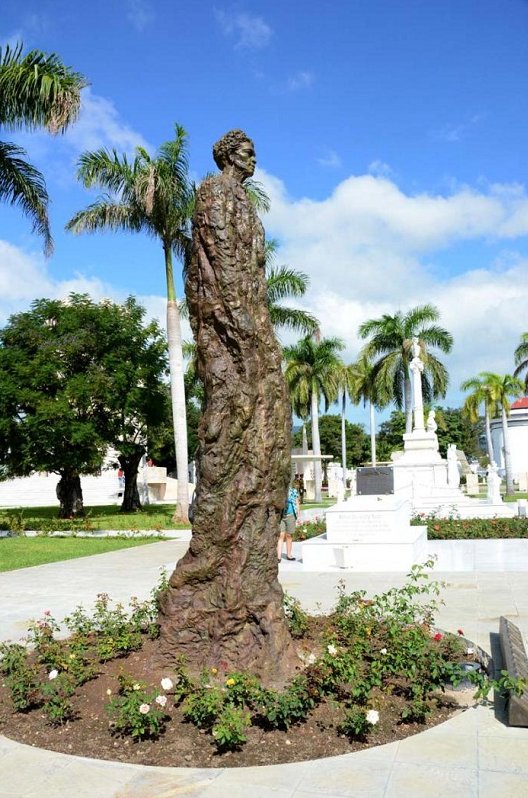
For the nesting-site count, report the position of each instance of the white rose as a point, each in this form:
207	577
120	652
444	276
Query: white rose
383	651
310	659
144	708
470	650
167	683
136	686
108	692
372	716
161	700
53	675
332	650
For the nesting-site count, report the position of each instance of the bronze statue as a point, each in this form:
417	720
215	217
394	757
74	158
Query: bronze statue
223	607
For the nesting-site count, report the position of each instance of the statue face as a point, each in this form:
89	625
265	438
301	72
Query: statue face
244	158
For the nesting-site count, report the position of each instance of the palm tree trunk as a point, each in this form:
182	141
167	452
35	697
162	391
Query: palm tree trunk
179	418
343	440
316	446
489	443
372	434
507	453
408	405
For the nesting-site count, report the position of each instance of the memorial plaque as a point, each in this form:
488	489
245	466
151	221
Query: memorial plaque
375	481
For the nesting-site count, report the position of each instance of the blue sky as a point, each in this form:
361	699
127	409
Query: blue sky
390	134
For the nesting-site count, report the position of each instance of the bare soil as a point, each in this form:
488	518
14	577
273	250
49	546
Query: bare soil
182	744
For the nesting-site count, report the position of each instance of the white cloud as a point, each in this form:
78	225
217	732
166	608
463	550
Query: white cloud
25	276
139	14
100	125
330	159
380	169
454	133
301	80
250	31
369	248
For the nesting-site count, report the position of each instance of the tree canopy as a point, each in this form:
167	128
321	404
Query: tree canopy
75	377
36	90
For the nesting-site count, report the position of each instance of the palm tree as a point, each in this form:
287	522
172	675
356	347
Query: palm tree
367	391
347	382
481	394
391	343
521	359
37	90
502	387
494	390
283	283
312	373
151	195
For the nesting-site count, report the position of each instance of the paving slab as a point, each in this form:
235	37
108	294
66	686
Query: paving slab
473	754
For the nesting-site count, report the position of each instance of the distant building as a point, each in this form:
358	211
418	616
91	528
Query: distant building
518	435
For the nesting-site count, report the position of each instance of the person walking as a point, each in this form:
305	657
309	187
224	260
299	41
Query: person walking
290	514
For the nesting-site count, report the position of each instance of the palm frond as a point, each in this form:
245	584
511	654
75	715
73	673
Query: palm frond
103	214
23	185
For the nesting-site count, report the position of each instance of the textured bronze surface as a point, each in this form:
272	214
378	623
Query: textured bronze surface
223	607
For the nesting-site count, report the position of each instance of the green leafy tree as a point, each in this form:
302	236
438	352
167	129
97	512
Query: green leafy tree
390	351
154	196
312	373
503	387
521	360
133	391
36	90
76	377
480	395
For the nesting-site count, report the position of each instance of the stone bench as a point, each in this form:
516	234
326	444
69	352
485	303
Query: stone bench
515	662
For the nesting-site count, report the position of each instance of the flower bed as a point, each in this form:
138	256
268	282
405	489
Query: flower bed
472	528
371	671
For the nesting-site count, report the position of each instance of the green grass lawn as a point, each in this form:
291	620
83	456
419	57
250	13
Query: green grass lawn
151	517
22	552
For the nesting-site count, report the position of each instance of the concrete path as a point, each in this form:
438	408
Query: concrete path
474	754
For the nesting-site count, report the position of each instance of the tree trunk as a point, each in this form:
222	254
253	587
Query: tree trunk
489	442
69	494
507	454
408	404
179	417
372	433
224	604
129	464
343	441
316	447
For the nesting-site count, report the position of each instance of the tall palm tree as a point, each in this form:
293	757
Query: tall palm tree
521	359
313	366
494	390
152	195
502	387
390	350
367	391
36	90
347	382
481	394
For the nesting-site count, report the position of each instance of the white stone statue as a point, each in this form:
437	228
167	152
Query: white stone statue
453	474
416	367
432	426
494	483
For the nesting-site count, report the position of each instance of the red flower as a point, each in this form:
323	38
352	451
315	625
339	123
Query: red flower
437	636
460	631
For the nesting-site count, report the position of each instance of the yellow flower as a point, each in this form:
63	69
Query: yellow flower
214	671
368	631
230	682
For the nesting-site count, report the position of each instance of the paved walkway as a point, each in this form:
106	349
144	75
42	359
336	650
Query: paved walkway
474	754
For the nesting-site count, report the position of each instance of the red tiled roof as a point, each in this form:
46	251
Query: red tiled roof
520	404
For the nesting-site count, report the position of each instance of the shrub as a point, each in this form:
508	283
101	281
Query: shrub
56	694
296	618
229	732
137	711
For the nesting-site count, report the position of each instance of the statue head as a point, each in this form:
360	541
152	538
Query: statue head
235	153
